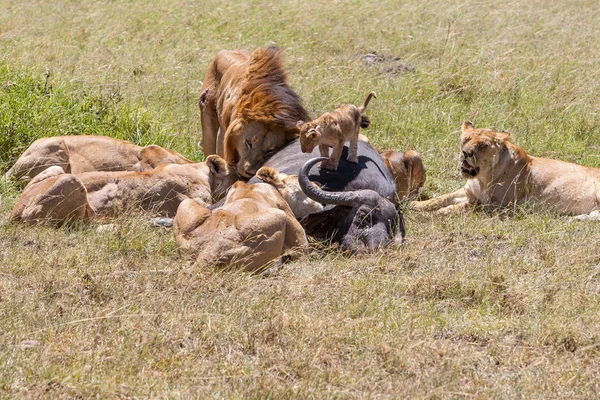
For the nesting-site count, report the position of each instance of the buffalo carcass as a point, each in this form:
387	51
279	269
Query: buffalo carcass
360	213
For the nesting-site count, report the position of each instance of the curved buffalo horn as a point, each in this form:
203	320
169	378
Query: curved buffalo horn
321	196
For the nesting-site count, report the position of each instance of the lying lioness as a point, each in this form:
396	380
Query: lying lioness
86	153
253	228
501	173
57	197
289	188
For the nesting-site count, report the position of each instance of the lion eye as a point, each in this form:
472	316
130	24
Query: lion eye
269	153
249	143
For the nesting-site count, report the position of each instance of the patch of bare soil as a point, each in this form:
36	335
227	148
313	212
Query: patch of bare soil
389	65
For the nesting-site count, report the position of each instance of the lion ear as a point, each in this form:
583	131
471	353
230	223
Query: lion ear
502	137
313	134
299	125
467	126
269	175
217	165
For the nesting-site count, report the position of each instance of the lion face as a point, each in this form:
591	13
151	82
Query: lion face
254	143
480	149
310	135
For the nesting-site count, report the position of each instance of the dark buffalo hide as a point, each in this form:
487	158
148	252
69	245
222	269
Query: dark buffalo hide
360	214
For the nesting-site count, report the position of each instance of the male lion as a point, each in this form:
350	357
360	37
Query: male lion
253	228
248	111
501	173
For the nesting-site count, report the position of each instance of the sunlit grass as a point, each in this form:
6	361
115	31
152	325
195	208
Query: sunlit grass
489	305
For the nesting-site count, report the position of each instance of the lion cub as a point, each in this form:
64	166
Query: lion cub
333	129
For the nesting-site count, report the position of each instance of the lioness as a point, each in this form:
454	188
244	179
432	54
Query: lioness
334	129
501	173
408	171
56	197
86	153
253	228
289	188
248	111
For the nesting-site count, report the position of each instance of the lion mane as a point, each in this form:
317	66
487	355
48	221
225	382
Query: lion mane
248	108
266	96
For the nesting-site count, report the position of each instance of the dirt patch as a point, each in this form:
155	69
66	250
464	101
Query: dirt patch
389	65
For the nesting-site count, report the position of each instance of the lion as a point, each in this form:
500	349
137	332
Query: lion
52	197
252	229
501	173
87	153
56	197
334	129
408	171
248	110
289	188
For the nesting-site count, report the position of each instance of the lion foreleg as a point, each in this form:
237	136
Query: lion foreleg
454	209
324	150
593	216
334	158
210	123
353	149
454	198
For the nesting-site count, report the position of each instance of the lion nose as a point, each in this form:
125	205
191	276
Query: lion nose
467	154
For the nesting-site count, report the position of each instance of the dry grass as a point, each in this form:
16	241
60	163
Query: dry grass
480	305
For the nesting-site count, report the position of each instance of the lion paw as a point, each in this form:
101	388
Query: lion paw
419	205
328	165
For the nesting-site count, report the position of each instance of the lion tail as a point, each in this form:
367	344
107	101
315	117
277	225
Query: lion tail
364	120
367	100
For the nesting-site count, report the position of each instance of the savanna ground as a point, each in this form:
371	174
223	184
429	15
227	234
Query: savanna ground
497	305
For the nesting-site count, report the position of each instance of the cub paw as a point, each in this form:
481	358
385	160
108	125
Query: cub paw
328	165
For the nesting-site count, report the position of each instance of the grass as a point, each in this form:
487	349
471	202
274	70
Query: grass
480	305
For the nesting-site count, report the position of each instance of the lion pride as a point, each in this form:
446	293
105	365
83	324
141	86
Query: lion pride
501	173
248	110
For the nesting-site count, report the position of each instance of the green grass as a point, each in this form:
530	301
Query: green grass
485	305
34	106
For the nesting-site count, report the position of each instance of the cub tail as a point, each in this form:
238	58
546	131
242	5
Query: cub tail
364	120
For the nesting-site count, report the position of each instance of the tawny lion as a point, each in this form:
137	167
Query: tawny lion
248	110
55	197
501	173
87	153
334	129
253	228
